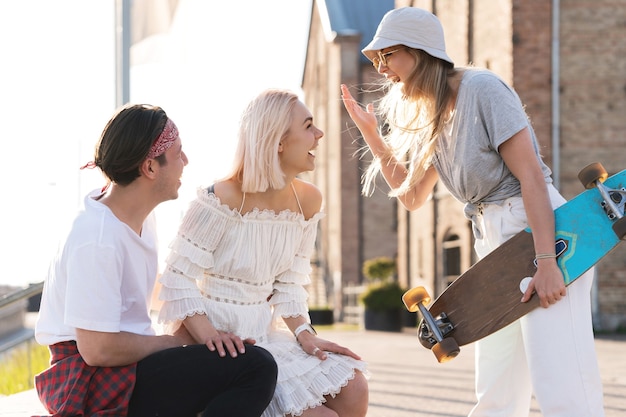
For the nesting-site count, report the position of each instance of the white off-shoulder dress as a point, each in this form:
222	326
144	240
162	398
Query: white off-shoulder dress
246	272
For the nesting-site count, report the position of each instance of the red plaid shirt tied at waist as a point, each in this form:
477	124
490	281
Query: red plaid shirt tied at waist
70	387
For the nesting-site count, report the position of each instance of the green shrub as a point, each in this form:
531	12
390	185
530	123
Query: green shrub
379	269
383	297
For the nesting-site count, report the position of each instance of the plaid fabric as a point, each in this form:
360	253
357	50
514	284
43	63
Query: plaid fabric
70	387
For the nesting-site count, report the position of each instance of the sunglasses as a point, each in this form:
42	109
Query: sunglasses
381	58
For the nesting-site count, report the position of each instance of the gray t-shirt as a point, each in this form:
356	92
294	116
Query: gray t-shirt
488	112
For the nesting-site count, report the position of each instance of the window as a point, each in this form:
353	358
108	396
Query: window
451	259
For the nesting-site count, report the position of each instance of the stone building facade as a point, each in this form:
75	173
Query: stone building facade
567	61
354	228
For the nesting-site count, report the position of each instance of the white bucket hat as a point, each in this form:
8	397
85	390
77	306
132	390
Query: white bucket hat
412	27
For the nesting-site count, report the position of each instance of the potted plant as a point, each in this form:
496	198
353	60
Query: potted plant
383	297
321	315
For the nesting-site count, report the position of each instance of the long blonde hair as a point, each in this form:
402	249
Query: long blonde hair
263	125
415	113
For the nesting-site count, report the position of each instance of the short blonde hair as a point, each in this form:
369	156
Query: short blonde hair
264	123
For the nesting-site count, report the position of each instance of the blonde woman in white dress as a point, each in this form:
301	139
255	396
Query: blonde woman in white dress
241	259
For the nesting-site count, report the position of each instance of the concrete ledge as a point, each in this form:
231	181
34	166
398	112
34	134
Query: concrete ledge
22	404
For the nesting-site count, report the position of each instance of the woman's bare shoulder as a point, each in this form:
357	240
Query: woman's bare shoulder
310	197
229	193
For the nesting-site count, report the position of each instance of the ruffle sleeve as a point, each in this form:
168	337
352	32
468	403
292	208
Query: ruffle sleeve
191	252
289	297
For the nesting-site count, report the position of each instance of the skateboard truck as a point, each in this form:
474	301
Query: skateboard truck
441	326
433	332
613	203
594	175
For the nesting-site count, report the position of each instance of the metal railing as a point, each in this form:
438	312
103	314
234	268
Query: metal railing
20	336
33	289
352	309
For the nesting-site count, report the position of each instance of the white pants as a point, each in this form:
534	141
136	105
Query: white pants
549	352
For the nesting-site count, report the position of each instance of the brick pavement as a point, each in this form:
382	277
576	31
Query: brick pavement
407	381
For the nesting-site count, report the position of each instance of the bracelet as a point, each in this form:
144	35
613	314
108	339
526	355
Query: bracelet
305	327
545	255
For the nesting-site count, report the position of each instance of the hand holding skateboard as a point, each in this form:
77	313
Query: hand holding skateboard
486	297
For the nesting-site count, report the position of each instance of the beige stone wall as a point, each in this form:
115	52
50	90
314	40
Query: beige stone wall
593	87
355	228
593	120
532	78
442	217
379	231
514	39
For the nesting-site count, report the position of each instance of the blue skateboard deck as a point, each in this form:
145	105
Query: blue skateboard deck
585	230
487	296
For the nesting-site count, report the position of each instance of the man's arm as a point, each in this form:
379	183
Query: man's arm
123	348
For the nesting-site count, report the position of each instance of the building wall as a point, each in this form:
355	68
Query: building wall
593	124
380	222
327	256
532	74
355	227
514	39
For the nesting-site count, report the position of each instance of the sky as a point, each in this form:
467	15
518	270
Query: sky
57	83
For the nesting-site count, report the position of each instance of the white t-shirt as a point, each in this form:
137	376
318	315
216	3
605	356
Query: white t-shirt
101	278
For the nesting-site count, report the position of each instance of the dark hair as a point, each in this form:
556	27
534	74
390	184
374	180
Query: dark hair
126	141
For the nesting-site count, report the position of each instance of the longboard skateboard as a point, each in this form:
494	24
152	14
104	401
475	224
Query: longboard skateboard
487	296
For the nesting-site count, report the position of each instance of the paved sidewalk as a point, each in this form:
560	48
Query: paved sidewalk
407	381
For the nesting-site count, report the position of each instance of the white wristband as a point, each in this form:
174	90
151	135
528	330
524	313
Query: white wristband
305	327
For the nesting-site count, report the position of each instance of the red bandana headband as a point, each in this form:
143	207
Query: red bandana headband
165	140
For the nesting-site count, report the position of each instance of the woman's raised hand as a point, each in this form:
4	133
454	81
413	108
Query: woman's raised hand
364	119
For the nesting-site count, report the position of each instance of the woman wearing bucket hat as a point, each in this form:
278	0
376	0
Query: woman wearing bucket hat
468	128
